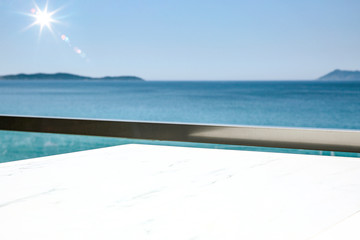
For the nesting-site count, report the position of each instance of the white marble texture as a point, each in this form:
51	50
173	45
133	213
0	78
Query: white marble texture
159	192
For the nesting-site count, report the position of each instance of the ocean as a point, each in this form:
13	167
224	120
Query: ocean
309	104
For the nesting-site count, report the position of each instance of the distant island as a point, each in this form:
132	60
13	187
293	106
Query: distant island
341	75
64	76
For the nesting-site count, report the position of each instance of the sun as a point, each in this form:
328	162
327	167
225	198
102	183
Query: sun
43	18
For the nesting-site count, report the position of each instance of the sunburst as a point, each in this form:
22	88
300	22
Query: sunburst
43	18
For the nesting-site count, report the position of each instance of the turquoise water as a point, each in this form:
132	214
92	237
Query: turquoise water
276	103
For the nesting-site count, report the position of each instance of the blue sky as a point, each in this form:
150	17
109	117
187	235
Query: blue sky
184	40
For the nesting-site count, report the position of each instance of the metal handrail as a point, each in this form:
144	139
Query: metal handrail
295	138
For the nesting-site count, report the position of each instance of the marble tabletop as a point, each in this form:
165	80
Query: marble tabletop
162	192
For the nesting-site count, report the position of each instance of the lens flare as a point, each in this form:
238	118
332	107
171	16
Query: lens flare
45	18
77	50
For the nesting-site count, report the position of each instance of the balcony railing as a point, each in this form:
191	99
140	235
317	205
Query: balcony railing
295	138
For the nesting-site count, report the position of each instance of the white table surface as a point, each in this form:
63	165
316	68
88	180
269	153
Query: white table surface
159	192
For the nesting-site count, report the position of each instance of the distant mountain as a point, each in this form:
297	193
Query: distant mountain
64	76
341	75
